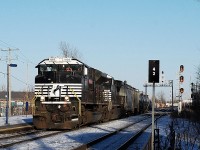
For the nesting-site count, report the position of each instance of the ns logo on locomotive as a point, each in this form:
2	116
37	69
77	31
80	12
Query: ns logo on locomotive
69	93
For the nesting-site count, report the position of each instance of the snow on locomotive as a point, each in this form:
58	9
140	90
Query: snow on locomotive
69	93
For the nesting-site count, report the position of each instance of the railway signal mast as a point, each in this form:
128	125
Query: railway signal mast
153	78
181	90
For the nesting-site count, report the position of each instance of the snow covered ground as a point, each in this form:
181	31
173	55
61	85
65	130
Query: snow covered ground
187	134
72	139
16	120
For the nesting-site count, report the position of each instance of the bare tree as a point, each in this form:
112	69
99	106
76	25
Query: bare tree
161	96
198	75
160	100
3	88
69	51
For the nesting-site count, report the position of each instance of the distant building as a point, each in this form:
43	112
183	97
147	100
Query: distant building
18	100
17	95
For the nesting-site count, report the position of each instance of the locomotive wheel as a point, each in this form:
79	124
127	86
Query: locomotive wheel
105	114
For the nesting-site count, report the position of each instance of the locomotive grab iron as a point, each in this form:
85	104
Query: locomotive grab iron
69	93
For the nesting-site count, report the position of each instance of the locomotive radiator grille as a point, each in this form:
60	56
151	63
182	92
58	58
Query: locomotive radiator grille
58	90
107	95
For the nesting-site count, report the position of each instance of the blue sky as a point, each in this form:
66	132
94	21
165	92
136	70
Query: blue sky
115	36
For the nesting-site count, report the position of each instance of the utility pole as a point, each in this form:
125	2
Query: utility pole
172	95
8	104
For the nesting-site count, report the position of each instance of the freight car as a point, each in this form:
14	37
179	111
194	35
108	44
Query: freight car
69	93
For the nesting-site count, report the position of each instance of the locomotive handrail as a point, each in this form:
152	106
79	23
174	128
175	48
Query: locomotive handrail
79	101
33	105
33	100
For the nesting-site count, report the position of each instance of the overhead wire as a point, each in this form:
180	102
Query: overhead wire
9	45
26	59
21	81
16	78
22	57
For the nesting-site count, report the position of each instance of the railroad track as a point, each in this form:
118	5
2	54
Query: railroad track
9	140
17	138
120	139
113	135
16	128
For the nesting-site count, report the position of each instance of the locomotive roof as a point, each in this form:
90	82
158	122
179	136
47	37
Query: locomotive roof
61	60
124	83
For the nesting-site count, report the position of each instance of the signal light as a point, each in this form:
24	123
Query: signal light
181	79
192	87
181	90
181	68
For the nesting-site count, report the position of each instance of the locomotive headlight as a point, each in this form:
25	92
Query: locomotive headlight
67	98
42	98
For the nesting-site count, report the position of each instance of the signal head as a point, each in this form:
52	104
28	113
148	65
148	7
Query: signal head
181	79
181	90
181	68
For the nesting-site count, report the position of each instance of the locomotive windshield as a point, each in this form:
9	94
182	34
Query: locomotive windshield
59	73
107	85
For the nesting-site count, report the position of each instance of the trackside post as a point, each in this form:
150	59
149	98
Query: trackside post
153	78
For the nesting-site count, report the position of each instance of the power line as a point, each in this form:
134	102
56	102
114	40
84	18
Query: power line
17	79
4	42
9	45
21	81
25	58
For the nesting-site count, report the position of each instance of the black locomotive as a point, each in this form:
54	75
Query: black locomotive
69	93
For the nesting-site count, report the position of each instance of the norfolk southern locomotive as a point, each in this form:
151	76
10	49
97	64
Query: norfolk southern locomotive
69	93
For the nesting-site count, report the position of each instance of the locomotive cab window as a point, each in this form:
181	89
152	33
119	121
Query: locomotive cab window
71	68
46	68
107	84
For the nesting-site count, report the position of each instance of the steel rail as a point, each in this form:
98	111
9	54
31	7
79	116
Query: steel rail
131	140
97	140
5	143
16	128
